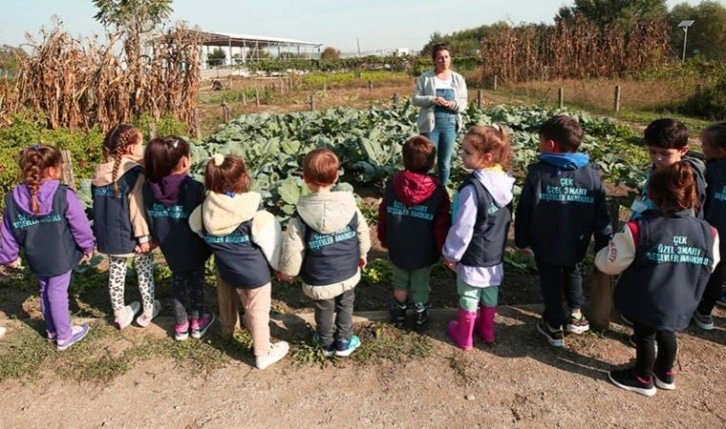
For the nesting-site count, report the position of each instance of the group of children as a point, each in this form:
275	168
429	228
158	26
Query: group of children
143	199
667	255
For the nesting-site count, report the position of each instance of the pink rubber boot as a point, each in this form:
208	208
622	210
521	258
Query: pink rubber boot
461	331
484	325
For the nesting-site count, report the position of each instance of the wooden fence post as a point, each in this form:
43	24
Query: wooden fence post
67	170
370	85
325	87
616	105
244	99
478	98
395	99
225	111
312	102
494	87
197	126
257	96
561	97
152	130
602	285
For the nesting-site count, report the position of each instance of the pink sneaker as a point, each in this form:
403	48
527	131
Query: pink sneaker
199	326
145	319
181	331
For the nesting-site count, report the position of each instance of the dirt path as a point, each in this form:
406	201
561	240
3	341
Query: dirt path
518	382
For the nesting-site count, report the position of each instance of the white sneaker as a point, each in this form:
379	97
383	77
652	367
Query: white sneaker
277	352
3	330
125	316
143	320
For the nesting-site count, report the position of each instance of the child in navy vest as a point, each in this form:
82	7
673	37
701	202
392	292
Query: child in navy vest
713	140
413	219
327	243
666	258
474	246
246	242
120	224
47	221
170	195
562	204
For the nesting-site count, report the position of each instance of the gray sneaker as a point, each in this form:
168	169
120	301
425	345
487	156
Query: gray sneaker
703	321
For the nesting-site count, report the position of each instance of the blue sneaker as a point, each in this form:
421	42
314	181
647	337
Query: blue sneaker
328	351
77	334
344	348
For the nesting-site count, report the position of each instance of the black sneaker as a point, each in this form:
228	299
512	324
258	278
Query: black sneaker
577	326
397	312
554	335
665	380
628	380
626	320
422	317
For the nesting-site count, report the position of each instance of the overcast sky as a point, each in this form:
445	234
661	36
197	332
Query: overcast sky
376	24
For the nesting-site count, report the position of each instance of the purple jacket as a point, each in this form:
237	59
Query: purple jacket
75	216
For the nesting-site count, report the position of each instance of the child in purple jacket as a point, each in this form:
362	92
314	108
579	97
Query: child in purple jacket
47	220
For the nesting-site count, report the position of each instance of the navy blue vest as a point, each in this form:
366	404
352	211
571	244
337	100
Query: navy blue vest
567	207
663	286
47	241
409	230
486	248
111	218
715	205
240	261
330	258
183	249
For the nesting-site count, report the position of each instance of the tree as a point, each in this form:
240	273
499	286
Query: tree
133	18
707	35
216	58
624	12
10	58
330	53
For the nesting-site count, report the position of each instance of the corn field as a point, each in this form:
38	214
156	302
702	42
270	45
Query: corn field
82	84
573	50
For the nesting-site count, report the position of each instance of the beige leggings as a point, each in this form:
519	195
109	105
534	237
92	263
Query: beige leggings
256	303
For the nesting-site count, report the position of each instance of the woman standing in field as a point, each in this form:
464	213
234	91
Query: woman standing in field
442	96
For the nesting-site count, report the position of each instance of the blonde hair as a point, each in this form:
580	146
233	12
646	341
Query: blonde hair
491	139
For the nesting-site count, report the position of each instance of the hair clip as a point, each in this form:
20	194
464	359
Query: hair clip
36	146
218	159
175	144
496	127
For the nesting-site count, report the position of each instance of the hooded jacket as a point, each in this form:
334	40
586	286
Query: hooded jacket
468	222
562	204
168	205
324	213
413	241
108	221
221	215
55	238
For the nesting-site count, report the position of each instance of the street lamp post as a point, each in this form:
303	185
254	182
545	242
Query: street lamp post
684	25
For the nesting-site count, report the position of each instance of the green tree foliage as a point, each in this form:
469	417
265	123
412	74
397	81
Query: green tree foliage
10	58
707	35
216	58
133	16
330	53
464	43
624	12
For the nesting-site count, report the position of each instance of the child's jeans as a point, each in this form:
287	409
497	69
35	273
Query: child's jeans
415	282
554	282
54	305
471	296
645	355
188	290
334	318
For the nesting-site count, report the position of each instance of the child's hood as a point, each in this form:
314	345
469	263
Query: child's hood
327	212
21	197
565	161
698	166
222	214
168	190
103	175
499	184
414	188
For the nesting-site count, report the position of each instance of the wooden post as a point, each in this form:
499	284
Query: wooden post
561	97
152	130
699	89
229	81
395	99
244	99
257	96
602	285
67	170
282	86
197	127
496	78
370	85
478	98
312	102
225	111
616	105
325	87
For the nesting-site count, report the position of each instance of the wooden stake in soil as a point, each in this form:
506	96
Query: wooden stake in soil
616	105
601	300
312	101
325	87
67	170
478	98
225	111
152	130
370	85
494	87
395	99
561	97
257	97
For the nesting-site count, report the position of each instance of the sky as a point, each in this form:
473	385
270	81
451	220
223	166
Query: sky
374	24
